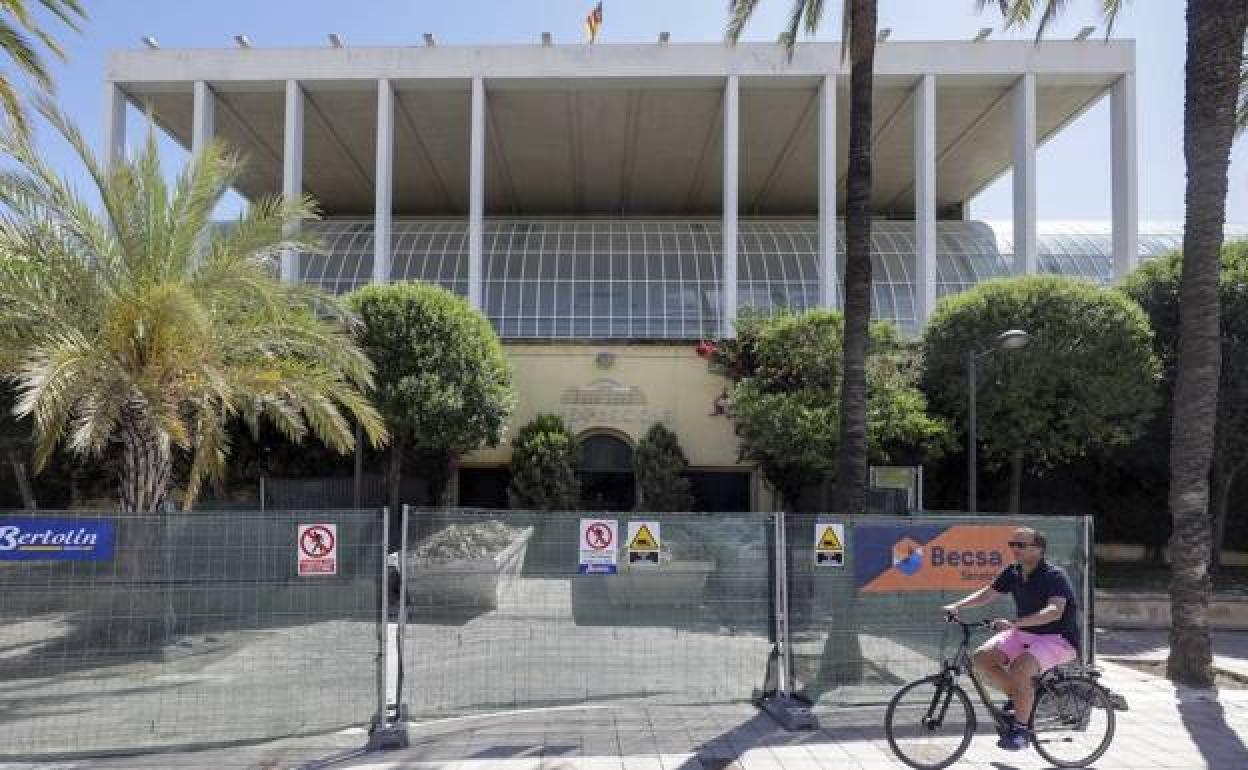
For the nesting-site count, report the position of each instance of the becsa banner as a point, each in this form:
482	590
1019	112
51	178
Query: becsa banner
23	539
964	557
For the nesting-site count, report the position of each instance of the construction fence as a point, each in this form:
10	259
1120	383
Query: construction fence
126	633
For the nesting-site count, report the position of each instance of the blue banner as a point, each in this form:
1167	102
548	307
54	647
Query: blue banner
23	539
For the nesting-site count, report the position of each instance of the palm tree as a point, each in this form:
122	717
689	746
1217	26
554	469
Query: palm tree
144	325
17	26
1215	45
858	22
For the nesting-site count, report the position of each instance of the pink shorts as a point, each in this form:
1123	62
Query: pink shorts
1049	650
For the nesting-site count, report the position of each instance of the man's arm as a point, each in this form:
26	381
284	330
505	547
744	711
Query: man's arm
1051	612
983	596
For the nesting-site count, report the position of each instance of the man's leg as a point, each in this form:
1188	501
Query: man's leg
991	662
1022	671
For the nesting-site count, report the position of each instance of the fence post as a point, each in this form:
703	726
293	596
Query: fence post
399	710
1089	592
790	712
384	734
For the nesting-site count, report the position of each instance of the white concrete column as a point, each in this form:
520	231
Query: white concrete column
476	195
292	170
924	200
1024	108
204	117
827	193
114	149
728	270
384	182
1123	168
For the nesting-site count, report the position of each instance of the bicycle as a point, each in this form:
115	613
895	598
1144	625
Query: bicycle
930	722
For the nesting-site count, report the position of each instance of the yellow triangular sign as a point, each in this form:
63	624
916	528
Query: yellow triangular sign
829	541
643	540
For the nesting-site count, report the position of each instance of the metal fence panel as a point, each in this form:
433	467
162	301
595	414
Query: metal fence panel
498	616
196	631
863	628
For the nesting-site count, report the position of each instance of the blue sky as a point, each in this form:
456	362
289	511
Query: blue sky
1073	169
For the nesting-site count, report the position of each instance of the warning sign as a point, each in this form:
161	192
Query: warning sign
643	543
829	544
318	549
598	546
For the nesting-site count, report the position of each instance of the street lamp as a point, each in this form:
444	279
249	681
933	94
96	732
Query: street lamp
1006	340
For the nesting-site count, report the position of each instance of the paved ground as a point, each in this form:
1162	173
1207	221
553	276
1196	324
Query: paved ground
1230	648
1166	727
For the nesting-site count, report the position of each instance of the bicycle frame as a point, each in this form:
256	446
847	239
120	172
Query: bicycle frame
961	663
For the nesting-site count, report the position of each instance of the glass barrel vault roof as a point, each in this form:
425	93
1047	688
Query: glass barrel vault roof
660	278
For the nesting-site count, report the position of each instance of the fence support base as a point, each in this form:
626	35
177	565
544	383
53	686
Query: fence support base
387	737
791	712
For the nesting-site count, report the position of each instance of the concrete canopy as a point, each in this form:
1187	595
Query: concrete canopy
617	129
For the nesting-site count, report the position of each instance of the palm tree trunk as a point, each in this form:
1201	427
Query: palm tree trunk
147	463
23	481
1215	42
851	464
139	614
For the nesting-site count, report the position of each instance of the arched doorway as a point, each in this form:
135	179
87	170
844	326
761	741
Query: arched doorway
606	471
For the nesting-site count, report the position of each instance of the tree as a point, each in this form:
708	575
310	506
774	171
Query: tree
1087	380
1212	80
786	397
144	325
659	464
543	467
442	380
858	22
17	26
1155	286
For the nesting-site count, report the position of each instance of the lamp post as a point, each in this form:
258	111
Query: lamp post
1006	340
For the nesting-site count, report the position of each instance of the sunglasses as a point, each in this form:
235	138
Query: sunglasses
1018	544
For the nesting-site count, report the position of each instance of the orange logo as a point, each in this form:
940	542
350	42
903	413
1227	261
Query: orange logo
958	558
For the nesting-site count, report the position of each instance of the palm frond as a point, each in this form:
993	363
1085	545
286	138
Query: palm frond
22	52
51	381
740	12
11	105
789	36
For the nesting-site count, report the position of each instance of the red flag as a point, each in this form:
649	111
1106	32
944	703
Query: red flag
593	22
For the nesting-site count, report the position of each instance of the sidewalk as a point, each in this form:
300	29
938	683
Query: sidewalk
1166	727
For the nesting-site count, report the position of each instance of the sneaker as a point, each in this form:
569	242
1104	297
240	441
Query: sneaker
1014	740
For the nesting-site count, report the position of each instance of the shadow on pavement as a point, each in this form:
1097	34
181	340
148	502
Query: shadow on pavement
1204	718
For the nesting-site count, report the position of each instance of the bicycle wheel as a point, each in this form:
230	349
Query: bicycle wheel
1072	722
930	723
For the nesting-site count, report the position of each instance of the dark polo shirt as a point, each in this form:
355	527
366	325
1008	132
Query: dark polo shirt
1032	594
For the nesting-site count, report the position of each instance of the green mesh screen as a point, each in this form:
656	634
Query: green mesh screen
499	617
196	631
861	630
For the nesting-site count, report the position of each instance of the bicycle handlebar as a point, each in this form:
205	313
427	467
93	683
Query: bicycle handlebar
951	617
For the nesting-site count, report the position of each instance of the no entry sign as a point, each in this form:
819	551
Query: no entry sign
318	549
598	546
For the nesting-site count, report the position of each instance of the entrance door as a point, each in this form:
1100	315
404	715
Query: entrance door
607	482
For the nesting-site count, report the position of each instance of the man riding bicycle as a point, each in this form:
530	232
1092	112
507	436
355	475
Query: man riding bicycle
1045	633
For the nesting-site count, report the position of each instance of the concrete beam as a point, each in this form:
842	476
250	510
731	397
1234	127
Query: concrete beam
1024	118
829	297
204	118
924	199
292	171
728	273
383	212
509	63
1125	216
476	196
114	148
